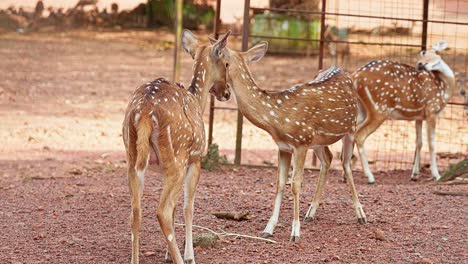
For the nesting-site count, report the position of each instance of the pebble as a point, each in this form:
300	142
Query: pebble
425	261
379	234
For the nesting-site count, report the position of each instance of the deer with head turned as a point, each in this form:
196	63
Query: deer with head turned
392	90
311	115
166	118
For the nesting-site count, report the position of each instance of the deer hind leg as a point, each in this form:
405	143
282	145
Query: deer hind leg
346	160
417	152
136	178
431	123
190	186
284	163
168	257
299	160
325	156
172	186
370	124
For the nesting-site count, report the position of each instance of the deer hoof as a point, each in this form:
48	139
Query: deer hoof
265	235
294	239
308	219
189	261
362	220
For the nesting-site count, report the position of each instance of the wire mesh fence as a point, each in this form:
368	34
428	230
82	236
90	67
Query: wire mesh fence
351	33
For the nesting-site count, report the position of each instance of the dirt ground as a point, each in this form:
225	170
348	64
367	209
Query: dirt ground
63	192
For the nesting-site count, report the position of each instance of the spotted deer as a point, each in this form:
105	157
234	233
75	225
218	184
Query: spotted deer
392	90
166	118
311	115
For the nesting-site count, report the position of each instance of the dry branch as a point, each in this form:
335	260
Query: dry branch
237	216
227	234
451	193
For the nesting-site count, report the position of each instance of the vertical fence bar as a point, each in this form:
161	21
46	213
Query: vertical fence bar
240	118
177	46
212	101
320	63
322	33
424	25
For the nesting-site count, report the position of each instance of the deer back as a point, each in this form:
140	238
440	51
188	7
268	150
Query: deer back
317	112
399	90
175	116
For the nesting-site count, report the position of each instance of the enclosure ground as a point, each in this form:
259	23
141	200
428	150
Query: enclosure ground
74	208
63	191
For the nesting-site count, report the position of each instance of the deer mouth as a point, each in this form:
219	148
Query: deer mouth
220	96
421	66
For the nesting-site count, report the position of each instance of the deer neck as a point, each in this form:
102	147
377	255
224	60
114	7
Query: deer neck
199	86
254	103
446	75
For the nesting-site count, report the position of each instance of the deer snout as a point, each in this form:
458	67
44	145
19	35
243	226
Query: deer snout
220	92
420	66
226	96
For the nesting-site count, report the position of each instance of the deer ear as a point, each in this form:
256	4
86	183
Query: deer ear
220	44
257	52
441	45
190	42
212	40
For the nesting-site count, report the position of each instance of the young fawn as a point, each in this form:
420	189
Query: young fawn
166	118
311	115
392	90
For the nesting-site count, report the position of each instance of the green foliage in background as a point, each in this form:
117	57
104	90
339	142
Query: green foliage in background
213	160
162	13
282	25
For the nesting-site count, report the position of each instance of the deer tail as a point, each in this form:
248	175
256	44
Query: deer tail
143	128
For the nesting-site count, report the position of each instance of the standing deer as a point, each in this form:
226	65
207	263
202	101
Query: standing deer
166	118
311	115
338	50
392	90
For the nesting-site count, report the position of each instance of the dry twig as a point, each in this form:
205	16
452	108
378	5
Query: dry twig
227	234
451	193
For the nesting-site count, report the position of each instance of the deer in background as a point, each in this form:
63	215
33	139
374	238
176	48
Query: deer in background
166	118
338	50
311	115
392	90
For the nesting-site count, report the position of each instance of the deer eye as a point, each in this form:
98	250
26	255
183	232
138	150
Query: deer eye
227	64
423	53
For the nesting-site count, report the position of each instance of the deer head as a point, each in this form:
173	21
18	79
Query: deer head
430	60
208	64
232	57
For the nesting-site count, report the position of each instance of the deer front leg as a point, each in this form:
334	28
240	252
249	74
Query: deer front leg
299	160
190	186
417	152
325	156
284	163
348	145
431	123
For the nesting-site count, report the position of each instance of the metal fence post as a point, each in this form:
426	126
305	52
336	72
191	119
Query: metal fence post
424	25
178	42
212	101
322	33
240	118
320	63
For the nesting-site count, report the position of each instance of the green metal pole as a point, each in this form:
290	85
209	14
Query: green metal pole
177	42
